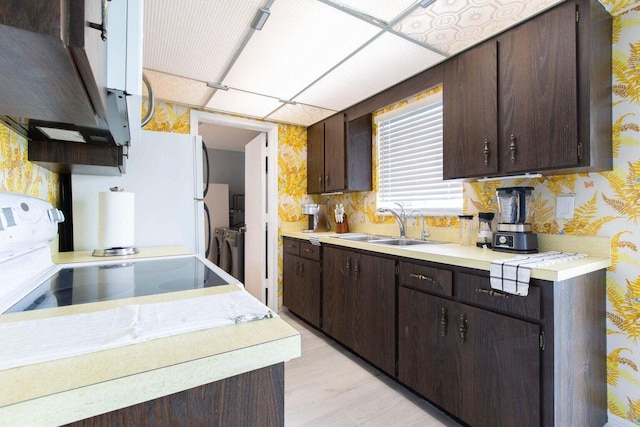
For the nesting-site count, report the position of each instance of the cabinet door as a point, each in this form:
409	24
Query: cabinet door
538	93
358	154
470	120
301	287
426	360
482	367
315	158
310	284
500	368
89	50
334	153
336	274
291	283
373	311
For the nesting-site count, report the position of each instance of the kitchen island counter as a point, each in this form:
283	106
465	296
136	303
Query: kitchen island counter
78	387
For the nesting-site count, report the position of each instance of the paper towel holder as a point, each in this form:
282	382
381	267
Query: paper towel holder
117	251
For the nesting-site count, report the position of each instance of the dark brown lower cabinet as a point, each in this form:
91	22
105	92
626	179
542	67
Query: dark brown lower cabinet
359	304
254	398
481	366
487	358
301	280
302	291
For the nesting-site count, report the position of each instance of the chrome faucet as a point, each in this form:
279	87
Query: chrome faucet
400	217
424	234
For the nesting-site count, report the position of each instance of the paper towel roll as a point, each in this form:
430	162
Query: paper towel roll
116	216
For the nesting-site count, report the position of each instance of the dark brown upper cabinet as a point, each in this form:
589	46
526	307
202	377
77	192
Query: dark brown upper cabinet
536	98
339	155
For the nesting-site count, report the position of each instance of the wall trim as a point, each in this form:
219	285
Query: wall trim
271	129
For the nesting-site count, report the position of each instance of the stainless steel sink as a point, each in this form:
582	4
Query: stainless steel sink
386	240
361	237
403	242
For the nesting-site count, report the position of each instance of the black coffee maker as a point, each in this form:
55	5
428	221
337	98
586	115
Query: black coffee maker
514	227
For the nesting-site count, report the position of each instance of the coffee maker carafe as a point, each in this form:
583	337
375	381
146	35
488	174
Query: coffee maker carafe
514	226
317	217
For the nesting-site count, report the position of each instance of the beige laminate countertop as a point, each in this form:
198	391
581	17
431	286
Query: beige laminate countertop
480	259
74	388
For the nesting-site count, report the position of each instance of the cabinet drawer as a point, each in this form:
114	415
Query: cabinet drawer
291	246
423	278
309	251
477	290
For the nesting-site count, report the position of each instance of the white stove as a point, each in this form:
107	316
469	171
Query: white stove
29	280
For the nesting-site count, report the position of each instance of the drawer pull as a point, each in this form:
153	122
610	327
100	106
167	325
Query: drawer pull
308	250
423	277
486	152
347	268
462	327
492	293
513	148
443	321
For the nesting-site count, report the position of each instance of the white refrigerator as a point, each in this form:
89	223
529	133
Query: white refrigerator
165	173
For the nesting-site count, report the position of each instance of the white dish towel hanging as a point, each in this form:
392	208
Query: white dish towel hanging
512	275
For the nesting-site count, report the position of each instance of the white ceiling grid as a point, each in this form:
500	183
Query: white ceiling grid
381	64
325	55
301	40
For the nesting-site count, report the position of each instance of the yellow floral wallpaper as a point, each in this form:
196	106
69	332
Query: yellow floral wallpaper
18	175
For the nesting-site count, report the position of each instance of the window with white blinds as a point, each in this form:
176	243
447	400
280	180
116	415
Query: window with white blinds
410	160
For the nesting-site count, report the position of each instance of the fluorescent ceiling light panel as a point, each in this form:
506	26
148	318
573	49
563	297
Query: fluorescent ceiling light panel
238	102
386	61
304	39
195	39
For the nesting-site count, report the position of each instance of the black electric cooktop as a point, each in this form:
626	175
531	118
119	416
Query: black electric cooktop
86	284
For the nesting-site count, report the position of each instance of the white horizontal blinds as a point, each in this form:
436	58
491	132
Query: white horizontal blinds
410	159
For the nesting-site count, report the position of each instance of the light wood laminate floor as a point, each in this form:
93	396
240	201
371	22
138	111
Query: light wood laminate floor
329	386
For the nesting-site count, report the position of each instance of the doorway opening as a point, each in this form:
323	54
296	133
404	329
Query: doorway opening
260	199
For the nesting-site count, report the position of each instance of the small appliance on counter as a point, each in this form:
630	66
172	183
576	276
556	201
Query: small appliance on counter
485	231
514	226
465	229
317	217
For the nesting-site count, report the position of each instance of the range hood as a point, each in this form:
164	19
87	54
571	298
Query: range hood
53	63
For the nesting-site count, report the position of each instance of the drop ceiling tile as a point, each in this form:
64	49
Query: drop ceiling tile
452	26
300	114
195	39
243	103
384	62
178	89
301	40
